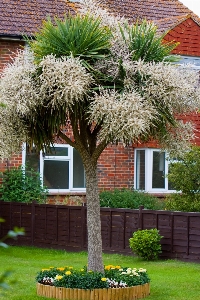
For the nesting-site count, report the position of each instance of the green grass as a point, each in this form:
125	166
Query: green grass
170	279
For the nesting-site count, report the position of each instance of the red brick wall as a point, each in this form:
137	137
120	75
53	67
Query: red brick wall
116	167
7	49
187	34
15	161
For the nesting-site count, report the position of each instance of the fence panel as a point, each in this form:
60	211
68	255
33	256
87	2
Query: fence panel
65	227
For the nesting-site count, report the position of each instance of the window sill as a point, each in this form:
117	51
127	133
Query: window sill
73	193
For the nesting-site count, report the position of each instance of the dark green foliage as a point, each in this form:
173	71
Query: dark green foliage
22	185
181	202
148	45
185	177
79	36
126	198
146	243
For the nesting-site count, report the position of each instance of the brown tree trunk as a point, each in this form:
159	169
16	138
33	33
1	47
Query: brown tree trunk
95	262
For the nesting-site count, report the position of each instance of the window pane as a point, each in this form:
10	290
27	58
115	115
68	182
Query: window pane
78	170
158	176
32	159
56	174
140	169
57	151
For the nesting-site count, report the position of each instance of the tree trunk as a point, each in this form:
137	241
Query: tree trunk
95	262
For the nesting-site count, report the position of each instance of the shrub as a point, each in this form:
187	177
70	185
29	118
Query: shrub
126	198
185	177
181	202
113	276
22	185
146	243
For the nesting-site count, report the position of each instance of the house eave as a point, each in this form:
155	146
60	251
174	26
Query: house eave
11	37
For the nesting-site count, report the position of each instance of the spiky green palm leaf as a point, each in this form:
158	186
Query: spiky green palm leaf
146	44
80	36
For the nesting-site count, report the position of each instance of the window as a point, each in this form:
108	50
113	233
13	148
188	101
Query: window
61	169
151	168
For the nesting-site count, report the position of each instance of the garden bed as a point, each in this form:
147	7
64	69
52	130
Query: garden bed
126	293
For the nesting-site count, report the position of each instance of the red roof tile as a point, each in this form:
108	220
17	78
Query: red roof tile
25	16
165	13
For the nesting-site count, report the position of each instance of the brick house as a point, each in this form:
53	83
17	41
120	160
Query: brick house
138	166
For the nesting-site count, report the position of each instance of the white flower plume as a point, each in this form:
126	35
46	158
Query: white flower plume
63	80
12	133
172	87
123	116
17	85
179	139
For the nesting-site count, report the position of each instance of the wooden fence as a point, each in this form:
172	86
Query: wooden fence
64	227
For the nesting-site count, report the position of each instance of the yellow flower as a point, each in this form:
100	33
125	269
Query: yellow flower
103	279
51	267
68	273
45	270
117	267
60	269
82	270
108	267
58	277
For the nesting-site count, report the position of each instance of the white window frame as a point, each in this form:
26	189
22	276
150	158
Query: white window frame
69	158
149	169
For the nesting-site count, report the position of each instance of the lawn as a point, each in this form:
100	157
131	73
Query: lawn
170	279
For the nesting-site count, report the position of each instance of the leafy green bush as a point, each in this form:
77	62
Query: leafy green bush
185	177
146	243
125	198
113	276
22	185
181	202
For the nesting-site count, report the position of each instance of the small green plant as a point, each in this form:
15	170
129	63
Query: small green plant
146	243
22	184
126	198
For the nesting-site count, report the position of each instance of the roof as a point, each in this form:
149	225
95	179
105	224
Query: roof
25	16
166	14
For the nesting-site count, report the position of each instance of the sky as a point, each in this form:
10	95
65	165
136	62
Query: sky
194	5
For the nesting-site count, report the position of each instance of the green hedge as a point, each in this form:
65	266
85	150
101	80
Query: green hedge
126	198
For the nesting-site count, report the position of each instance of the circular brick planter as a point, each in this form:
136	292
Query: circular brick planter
128	293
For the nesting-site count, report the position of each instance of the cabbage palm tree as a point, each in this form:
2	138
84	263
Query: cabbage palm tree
84	76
